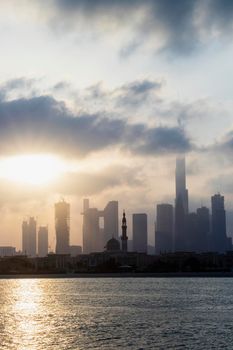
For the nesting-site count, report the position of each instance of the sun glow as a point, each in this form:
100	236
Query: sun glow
31	169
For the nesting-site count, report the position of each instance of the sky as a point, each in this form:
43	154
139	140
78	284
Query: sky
98	97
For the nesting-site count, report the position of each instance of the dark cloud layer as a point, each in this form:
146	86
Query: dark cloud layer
180	23
137	92
43	124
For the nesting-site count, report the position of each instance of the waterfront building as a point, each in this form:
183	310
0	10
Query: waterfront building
203	228
75	250
91	231
181	190
7	251
95	237
110	215
62	226
29	237
25	240
181	206
164	228
42	241
140	233
218	223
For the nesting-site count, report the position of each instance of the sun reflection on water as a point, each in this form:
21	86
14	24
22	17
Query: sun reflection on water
23	328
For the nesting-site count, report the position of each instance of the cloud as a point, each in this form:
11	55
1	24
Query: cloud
16	85
163	140
44	124
84	184
131	97
176	26
137	92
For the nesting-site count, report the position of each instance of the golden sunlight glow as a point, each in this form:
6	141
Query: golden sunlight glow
35	169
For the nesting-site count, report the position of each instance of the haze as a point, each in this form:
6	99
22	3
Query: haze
98	97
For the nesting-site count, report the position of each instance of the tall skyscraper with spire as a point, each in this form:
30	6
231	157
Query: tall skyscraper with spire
181	205
181	190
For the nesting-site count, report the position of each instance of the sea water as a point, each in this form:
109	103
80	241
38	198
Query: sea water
116	313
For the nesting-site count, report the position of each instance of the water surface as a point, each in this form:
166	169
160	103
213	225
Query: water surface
116	313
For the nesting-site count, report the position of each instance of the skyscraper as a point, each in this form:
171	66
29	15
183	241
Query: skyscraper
110	214
124	238
92	238
95	237
203	227
43	241
218	223
181	206
92	234
62	226
164	229
29	237
25	240
181	190
140	233
191	228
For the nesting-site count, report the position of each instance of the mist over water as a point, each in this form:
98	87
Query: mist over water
111	313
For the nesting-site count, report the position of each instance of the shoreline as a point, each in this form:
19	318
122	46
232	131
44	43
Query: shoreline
121	275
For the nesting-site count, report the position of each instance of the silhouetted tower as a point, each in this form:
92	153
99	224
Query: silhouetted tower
180	218
164	228
181	205
218	223
62	224
140	233
124	238
111	219
181	190
43	241
203	222
29	237
25	239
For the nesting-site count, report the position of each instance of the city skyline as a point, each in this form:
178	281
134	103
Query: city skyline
112	224
116	174
176	229
93	105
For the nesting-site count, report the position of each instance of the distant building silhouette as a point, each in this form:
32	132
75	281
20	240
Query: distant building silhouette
164	229
25	239
181	190
192	234
95	238
218	223
62	226
110	214
42	241
124	238
92	241
7	251
203	227
113	245
181	205
29	237
75	250
180	219
140	233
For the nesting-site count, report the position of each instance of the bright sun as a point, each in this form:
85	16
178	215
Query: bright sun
31	169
